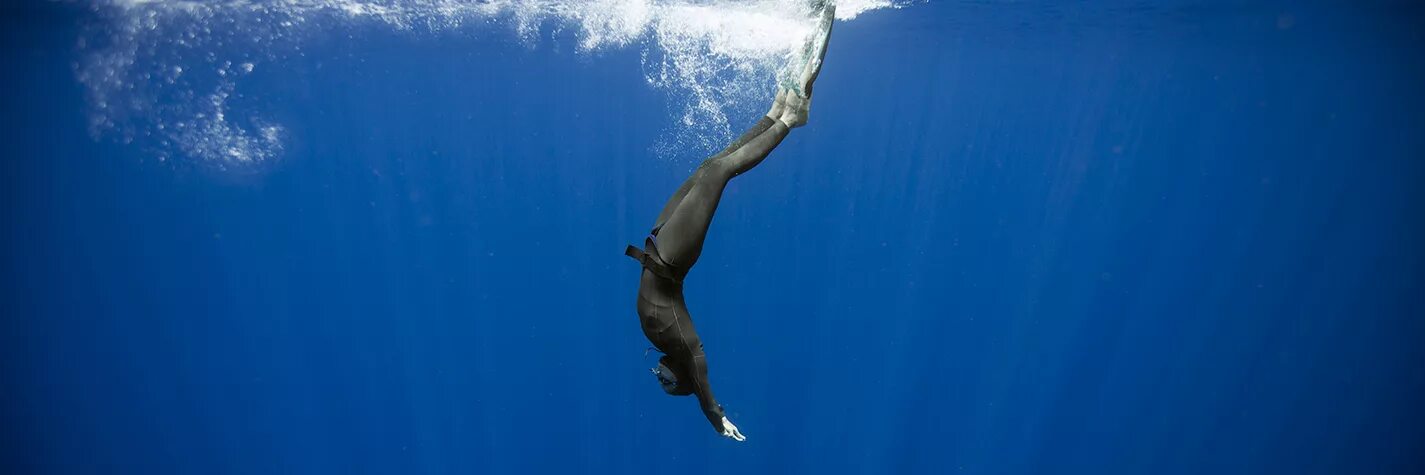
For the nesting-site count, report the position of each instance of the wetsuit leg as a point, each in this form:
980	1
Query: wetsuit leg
677	198
680	241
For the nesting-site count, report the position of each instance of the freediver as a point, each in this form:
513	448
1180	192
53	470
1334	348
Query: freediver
676	240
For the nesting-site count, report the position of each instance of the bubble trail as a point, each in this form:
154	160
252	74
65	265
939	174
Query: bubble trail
165	71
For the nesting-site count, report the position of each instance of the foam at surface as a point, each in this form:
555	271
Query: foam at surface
165	71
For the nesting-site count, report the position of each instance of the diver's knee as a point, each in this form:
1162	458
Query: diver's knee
715	171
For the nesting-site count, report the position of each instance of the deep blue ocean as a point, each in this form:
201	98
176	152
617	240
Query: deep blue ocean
1016	237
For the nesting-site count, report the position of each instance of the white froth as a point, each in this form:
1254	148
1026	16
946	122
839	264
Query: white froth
167	70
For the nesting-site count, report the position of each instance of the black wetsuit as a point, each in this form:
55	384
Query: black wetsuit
675	243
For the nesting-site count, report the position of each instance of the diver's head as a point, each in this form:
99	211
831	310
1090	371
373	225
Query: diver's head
668	378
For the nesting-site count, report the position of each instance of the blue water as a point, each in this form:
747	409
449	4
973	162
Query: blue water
1016	237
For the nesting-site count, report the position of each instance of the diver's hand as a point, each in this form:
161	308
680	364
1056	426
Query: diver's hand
730	431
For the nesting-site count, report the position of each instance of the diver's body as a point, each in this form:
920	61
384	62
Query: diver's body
676	240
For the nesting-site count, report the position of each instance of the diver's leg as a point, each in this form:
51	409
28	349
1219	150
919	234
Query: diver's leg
747	136
680	241
684	221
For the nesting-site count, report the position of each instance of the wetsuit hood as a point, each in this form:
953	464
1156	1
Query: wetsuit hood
668	378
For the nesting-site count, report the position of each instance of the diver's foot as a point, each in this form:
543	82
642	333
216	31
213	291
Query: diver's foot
795	108
778	105
794	96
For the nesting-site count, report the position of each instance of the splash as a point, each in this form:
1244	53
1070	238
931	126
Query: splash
167	71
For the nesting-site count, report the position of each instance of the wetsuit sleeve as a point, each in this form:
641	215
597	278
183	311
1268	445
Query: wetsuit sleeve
709	404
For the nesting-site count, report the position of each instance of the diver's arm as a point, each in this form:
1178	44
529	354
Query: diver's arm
711	409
